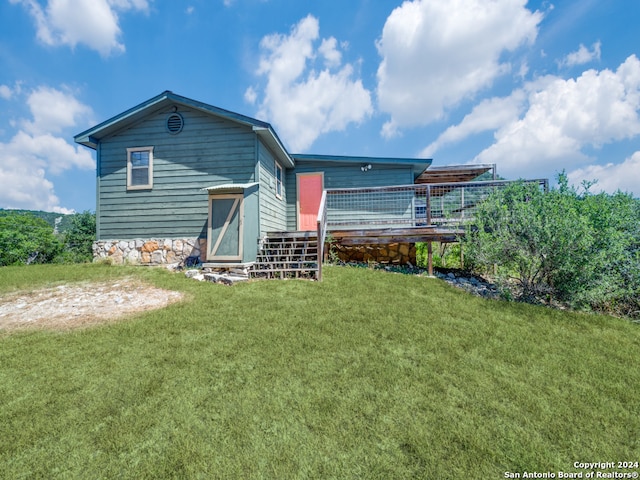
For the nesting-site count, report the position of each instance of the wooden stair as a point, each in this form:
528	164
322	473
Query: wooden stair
284	255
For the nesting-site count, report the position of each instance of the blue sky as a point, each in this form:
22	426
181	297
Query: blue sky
536	87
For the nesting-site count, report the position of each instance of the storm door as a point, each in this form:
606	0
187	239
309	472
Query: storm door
224	235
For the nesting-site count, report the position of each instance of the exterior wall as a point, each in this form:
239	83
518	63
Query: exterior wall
151	251
208	151
341	175
273	210
250	227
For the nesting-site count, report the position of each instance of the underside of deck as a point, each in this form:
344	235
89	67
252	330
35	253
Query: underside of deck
385	236
297	254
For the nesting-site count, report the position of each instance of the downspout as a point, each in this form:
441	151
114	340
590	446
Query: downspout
98	177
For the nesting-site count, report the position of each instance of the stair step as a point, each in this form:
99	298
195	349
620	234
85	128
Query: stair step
284	266
291	244
273	270
299	234
291	254
262	260
285	253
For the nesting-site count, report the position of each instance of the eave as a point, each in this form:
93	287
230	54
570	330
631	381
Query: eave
418	165
90	138
453	173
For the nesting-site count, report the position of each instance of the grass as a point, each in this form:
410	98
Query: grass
365	375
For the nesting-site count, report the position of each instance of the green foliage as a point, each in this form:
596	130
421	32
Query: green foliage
445	255
26	239
79	238
60	221
582	249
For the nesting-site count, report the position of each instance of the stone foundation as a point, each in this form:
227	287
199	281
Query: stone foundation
393	253
153	251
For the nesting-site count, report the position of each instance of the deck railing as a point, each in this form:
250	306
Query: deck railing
322	231
438	204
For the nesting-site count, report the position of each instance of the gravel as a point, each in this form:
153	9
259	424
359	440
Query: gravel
79	305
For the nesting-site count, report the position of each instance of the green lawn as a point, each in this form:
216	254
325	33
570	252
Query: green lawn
365	375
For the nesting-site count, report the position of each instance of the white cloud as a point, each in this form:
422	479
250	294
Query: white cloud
93	23
610	178
5	92
250	95
581	56
25	184
488	115
46	151
54	110
562	118
33	154
435	54
332	56
299	100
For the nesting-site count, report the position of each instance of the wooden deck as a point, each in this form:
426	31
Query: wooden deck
427	212
384	236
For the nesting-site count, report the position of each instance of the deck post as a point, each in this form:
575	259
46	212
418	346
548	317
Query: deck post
430	258
428	205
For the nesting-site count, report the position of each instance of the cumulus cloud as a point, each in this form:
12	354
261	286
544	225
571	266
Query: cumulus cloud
33	154
488	115
5	92
564	116
624	176
435	54
300	100
93	23
581	56
54	110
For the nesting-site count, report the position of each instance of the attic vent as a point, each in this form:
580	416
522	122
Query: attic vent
175	122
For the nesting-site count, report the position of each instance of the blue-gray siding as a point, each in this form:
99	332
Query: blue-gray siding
208	151
337	175
273	210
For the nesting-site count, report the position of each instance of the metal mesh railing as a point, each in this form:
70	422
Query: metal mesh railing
441	204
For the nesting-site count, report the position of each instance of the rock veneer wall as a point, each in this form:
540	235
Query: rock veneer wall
155	251
393	253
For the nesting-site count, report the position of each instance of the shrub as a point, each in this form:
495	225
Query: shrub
26	239
581	249
445	255
79	238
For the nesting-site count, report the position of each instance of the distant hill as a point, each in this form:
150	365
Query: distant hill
60	222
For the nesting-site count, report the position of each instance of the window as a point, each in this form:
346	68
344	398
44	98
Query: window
278	181
139	168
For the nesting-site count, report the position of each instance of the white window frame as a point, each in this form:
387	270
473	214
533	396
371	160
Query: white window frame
130	167
279	183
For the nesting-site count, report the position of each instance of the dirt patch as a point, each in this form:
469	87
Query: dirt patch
79	305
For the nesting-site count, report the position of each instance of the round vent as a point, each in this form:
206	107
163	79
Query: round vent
175	122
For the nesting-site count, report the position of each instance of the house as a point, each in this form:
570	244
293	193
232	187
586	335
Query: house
179	180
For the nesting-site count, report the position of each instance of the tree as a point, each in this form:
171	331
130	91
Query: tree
79	238
581	249
26	239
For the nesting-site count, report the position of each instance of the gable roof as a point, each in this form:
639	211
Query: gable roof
90	138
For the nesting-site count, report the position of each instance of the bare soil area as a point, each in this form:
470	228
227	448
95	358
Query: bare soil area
80	305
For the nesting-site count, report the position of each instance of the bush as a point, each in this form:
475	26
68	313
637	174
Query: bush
79	238
26	239
581	249
445	255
